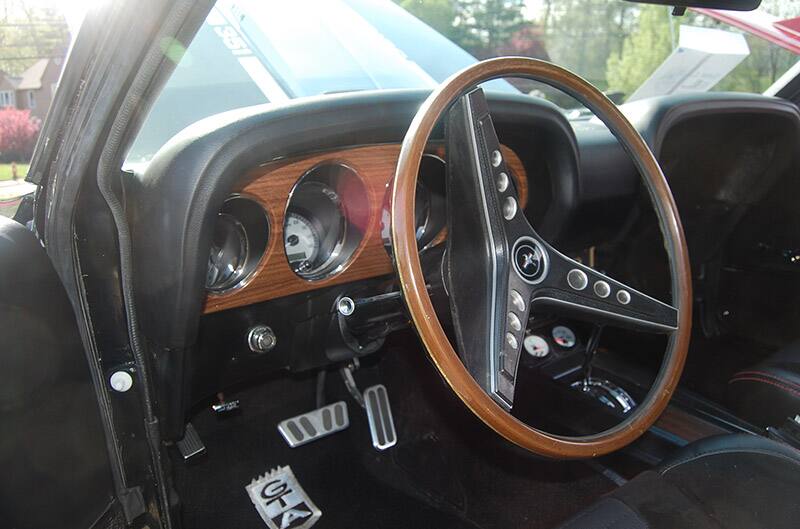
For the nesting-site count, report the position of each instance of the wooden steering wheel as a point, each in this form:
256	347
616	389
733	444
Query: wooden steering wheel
497	268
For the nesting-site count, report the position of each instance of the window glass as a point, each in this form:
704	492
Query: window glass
251	52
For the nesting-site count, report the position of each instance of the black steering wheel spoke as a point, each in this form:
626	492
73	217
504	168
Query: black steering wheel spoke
488	299
573	289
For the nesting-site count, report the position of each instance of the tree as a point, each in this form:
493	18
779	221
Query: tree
481	27
29	33
642	51
488	24
582	34
439	14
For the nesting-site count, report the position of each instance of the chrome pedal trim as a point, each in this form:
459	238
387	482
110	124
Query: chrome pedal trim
191	445
315	424
379	416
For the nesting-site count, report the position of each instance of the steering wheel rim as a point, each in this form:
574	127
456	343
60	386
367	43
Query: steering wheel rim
420	306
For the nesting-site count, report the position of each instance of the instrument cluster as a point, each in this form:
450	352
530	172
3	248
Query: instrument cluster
324	223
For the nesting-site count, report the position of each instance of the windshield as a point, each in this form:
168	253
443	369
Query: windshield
251	52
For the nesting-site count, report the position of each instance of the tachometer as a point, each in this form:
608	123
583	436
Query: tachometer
302	243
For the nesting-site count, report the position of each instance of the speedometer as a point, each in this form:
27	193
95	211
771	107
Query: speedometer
326	218
301	241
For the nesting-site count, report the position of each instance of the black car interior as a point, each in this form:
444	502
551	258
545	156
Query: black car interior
598	213
260	293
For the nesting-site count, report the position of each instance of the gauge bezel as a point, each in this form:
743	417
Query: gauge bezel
434	224
350	238
257	230
436	218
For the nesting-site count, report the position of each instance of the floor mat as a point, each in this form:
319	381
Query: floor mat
447	470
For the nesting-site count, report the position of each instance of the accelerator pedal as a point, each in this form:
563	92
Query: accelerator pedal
379	415
315	424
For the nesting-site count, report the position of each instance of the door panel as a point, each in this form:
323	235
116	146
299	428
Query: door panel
54	468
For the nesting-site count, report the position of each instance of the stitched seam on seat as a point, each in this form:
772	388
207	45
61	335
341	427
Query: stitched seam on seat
767	375
778	385
723	451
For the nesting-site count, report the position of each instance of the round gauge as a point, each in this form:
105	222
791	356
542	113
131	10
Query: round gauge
536	346
326	217
301	241
564	336
228	253
238	242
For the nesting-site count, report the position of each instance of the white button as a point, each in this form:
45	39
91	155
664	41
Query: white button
517	301
497	158
577	279
624	297
514	322
509	208
602	289
502	182
512	340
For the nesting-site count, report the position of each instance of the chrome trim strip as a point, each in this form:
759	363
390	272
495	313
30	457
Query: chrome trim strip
494	350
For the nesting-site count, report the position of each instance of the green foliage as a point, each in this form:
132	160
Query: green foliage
616	45
478	26
488	24
438	14
764	65
642	51
581	34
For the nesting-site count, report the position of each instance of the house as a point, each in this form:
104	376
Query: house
34	89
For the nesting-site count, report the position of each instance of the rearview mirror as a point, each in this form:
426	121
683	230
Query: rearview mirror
733	5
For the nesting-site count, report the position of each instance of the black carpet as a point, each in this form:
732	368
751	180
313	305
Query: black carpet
447	470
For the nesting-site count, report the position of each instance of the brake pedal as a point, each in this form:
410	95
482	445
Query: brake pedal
315	424
191	445
379	416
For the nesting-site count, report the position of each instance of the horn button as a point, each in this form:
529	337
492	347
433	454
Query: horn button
530	260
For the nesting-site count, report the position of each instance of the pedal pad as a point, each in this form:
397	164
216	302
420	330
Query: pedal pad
315	424
379	415
191	445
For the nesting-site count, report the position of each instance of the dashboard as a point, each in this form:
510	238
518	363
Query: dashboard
270	215
301	224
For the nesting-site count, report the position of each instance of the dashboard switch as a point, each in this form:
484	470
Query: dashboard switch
261	339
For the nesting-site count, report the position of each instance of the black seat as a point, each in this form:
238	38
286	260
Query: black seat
769	392
729	481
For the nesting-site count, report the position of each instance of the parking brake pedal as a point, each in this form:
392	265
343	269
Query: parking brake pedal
316	424
379	415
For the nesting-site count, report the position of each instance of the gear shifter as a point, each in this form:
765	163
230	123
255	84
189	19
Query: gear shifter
589	353
601	389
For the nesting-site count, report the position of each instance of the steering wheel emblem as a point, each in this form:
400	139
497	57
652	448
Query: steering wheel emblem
530	260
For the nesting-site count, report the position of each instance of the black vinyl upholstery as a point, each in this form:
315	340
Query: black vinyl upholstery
722	482
769	392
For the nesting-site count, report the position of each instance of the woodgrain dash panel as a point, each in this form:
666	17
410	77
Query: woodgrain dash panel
271	184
